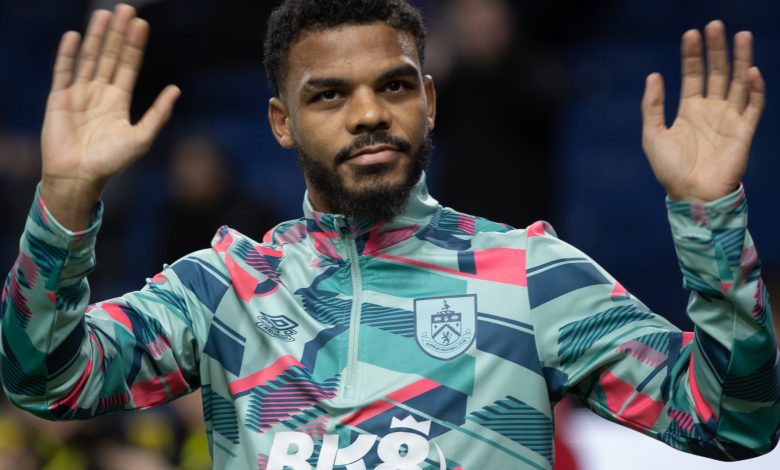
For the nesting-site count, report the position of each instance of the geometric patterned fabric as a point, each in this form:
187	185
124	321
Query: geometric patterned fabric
436	340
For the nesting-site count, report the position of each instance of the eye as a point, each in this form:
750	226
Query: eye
396	86
327	95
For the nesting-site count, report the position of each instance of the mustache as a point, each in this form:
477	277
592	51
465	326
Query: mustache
368	140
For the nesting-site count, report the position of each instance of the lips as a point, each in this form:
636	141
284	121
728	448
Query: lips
374	155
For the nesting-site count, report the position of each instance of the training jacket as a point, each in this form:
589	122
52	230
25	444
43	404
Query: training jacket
437	340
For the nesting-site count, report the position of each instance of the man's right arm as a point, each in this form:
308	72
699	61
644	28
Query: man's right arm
133	352
59	362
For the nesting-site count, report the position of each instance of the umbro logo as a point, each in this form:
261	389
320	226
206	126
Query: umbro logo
278	326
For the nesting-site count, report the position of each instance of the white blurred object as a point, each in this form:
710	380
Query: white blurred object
602	445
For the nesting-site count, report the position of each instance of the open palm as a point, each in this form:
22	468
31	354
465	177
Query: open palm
87	135
703	155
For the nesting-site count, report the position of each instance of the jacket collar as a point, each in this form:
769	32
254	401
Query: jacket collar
372	234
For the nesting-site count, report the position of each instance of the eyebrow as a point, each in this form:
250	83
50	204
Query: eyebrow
399	72
333	82
326	82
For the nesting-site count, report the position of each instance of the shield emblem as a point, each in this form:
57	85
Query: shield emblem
445	327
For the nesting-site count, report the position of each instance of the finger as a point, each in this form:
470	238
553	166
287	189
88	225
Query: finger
90	49
757	96
66	58
717	60
132	55
692	65
653	107
155	118
123	15
743	60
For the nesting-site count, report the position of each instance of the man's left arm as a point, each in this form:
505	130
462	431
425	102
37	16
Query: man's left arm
714	392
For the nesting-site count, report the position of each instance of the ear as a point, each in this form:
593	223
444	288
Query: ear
280	123
430	95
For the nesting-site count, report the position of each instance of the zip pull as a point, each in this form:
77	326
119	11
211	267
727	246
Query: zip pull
343	226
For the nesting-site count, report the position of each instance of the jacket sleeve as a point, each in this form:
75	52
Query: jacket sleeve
714	391
61	358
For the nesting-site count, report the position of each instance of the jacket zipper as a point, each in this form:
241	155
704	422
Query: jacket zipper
351	372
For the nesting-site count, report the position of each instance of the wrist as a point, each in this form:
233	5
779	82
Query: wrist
70	200
702	196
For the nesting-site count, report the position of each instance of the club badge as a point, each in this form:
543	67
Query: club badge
445	327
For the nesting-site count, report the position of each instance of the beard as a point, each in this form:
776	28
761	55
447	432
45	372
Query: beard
372	197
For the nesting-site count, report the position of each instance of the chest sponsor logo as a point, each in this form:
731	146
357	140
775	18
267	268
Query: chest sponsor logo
278	326
398	450
445	327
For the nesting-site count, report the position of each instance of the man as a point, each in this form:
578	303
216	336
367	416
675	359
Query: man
382	330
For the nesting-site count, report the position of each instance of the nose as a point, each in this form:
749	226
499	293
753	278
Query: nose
367	112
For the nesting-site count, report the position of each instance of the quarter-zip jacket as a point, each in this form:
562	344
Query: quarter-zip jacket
436	340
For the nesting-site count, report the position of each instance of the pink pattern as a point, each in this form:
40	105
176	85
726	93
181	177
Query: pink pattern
316	429
149	393
17	296
101	352
261	377
740	198
71	399
289	399
538	229
223	243
265	251
683	419
380	406
42	206
467	224
642	352
619	292
687	337
634	409
699	214
506	265
703	408
243	282
324	244
262	462
292	235
115	312
29	269
758	298
749	261
114	401
158	347
378	240
176	382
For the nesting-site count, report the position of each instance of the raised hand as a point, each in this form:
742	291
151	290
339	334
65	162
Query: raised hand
87	135
703	156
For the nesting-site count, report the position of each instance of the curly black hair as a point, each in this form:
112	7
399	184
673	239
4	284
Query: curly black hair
290	20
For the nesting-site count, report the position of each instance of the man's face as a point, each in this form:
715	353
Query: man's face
359	112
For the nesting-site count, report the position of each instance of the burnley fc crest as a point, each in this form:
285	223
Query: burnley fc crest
445	327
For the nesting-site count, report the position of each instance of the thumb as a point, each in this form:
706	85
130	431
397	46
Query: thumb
157	115
653	108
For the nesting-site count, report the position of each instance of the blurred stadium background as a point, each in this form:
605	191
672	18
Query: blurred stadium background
538	119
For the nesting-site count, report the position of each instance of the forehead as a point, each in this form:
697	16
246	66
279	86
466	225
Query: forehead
349	50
